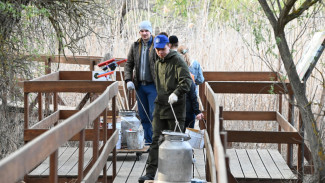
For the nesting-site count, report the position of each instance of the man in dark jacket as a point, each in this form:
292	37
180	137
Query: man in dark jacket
141	60
173	81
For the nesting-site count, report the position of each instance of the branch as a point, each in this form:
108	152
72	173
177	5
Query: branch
307	4
268	13
284	13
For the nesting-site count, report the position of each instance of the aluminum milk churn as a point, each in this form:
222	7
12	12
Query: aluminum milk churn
128	121
175	158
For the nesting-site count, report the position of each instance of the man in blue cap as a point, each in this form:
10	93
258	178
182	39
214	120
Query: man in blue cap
139	75
173	81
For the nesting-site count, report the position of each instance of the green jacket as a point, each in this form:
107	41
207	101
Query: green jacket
172	76
133	62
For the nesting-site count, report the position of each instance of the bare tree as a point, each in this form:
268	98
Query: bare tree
32	27
286	12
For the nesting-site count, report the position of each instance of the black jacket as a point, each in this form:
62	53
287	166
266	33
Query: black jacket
192	105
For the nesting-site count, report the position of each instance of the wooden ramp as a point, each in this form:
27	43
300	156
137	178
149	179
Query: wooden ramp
129	166
259	165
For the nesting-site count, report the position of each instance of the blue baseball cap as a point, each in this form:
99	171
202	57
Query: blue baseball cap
161	41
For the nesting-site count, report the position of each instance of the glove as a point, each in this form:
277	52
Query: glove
199	116
172	98
130	85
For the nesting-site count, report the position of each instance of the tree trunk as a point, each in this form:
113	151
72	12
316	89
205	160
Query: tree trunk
304	106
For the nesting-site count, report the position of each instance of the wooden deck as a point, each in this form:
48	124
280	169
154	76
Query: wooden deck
259	165
129	169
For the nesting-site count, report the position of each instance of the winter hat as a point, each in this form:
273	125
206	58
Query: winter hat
145	25
173	39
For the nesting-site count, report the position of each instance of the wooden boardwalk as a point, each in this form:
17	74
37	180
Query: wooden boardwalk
128	168
259	164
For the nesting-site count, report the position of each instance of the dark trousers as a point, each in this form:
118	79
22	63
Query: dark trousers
158	126
190	120
146	97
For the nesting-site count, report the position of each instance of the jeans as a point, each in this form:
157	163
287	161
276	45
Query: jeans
146	95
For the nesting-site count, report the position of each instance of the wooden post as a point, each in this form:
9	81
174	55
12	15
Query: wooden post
114	128
81	155
280	111
55	101
26	111
40	111
96	139
105	140
54	167
47	95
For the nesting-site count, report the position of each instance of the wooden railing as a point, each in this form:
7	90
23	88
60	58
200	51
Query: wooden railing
255	83
49	134
217	166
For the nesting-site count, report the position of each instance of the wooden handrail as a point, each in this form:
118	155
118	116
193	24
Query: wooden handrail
210	159
19	163
218	149
98	166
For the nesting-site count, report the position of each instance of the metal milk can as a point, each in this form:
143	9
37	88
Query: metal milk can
175	158
128	121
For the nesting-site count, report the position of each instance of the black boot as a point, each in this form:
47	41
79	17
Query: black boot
146	177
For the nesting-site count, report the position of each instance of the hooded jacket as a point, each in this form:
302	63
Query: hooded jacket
134	60
172	76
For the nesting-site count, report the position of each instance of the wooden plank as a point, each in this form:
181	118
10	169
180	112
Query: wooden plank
263	137
284	123
96	169
249	115
210	158
234	164
281	164
126	168
258	165
73	167
49	77
48	121
249	87
138	169
68	59
66	86
239	76
40	169
30	134
83	75
245	163
269	164
70	163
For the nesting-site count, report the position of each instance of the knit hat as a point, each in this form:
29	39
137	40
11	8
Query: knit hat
145	25
173	39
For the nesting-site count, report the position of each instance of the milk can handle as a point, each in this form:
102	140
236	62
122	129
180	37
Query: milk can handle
177	123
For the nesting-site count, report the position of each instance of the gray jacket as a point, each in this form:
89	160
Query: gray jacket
134	60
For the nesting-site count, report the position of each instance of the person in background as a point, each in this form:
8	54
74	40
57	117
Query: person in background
173	42
193	65
139	75
192	107
163	33
173	81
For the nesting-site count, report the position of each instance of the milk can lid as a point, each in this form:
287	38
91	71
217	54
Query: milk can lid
176	135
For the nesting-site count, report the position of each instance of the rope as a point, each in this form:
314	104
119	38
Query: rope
142	105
